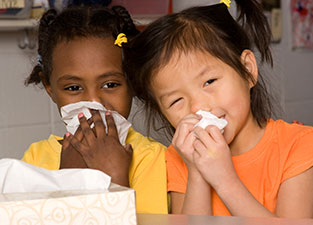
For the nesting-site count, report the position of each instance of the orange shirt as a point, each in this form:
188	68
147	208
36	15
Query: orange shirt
284	151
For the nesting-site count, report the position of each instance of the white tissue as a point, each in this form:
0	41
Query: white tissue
70	113
210	119
17	176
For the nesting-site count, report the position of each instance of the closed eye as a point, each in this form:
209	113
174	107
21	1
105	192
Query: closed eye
111	85
73	88
209	82
174	102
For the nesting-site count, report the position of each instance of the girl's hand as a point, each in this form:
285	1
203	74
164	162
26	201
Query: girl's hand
184	137
103	151
70	158
213	157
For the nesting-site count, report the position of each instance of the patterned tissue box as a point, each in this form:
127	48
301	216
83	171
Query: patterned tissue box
115	206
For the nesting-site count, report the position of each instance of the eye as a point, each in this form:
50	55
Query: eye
174	102
73	88
209	82
111	85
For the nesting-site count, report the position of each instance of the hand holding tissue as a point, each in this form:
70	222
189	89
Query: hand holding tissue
210	119
70	113
70	196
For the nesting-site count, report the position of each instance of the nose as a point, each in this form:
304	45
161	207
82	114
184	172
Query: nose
199	102
93	95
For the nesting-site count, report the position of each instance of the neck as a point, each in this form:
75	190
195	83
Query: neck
247	138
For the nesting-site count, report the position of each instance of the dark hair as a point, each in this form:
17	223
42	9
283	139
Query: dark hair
75	22
210	29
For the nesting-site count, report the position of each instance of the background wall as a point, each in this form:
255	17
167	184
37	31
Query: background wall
27	114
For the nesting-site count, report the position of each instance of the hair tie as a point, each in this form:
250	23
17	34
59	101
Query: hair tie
226	2
39	60
121	38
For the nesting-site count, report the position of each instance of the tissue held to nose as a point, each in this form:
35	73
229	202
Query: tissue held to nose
70	113
210	119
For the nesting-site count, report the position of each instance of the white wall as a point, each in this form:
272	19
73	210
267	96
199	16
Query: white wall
28	115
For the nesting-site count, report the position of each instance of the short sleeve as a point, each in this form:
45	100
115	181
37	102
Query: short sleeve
300	156
177	172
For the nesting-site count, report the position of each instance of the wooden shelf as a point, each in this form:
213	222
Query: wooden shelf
17	24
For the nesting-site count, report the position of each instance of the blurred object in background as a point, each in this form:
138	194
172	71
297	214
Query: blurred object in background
89	2
302	24
18	9
38	8
144	7
272	10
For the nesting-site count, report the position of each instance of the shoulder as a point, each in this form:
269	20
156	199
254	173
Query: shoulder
141	143
50	143
39	152
288	133
295	147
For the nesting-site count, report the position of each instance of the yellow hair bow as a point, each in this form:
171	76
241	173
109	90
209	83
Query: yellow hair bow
226	2
121	38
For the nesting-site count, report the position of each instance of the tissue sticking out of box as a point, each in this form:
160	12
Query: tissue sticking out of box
210	119
17	176
70	113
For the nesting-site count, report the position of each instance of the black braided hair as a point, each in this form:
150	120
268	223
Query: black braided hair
72	22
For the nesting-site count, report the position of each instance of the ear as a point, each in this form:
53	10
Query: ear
47	86
249	61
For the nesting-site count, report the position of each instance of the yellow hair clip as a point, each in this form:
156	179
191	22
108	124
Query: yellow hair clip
226	2
121	38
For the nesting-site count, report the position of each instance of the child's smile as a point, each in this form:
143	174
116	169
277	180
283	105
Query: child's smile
196	80
89	69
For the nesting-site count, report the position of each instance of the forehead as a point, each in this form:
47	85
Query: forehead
86	52
184	62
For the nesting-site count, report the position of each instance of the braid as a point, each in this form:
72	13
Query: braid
127	25
256	25
39	73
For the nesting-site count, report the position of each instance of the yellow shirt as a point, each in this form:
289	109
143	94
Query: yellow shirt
147	174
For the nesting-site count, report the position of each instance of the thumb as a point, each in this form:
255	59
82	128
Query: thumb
129	149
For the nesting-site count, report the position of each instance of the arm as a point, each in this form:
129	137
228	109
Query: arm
197	189
197	199
295	198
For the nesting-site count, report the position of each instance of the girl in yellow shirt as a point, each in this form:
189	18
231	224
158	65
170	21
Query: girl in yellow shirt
79	59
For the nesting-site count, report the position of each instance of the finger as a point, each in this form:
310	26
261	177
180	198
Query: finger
191	118
98	122
204	137
180	134
66	141
86	130
78	133
215	133
112	130
200	148
79	146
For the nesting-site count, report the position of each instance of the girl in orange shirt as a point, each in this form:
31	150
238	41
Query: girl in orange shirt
202	59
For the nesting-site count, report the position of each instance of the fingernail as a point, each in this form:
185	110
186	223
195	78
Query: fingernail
107	113
67	134
80	115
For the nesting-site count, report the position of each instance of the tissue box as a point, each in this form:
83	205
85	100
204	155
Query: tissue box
115	206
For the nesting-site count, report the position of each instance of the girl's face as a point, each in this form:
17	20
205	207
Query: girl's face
197	80
89	69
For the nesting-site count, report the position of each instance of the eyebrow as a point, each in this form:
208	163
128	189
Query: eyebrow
77	78
201	73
